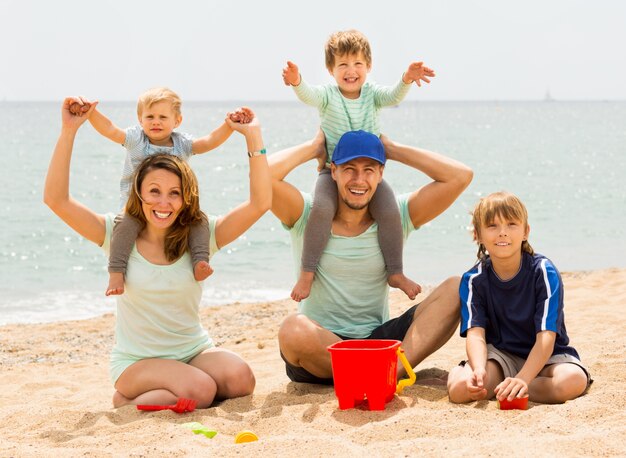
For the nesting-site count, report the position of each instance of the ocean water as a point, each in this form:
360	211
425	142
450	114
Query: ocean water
566	160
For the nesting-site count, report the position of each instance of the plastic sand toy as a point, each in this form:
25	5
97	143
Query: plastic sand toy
183	405
199	428
366	369
515	404
245	436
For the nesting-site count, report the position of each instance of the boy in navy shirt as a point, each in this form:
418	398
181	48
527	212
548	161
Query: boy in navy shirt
512	316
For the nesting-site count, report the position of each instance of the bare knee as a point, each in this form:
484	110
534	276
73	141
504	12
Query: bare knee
293	335
571	386
203	390
450	286
457	386
239	381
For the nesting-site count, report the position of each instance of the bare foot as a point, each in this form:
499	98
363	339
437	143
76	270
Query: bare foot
116	284
319	142
407	285
477	394
119	400
202	270
303	287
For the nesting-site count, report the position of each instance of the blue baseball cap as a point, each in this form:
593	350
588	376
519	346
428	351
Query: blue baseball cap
356	144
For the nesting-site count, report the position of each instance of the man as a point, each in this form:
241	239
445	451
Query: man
348	298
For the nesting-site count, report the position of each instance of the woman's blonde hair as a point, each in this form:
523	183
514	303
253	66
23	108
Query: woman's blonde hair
505	206
177	238
156	95
347	42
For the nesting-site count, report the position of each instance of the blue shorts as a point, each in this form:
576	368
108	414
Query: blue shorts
395	329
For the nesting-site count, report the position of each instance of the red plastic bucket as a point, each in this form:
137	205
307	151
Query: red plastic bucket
366	369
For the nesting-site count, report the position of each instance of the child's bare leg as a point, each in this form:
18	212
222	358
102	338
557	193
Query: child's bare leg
199	237
558	383
316	233
125	231
384	210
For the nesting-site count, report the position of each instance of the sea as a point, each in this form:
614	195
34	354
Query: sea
565	160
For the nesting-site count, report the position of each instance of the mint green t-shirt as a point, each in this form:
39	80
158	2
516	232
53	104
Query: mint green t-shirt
349	295
157	316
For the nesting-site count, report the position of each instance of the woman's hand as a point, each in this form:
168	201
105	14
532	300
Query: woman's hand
75	111
244	121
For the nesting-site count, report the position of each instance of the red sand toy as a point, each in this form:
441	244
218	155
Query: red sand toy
364	368
183	405
515	404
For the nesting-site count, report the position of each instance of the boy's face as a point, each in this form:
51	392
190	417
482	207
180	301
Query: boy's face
158	121
503	239
350	71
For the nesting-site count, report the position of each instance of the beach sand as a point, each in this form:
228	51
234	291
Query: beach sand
56	395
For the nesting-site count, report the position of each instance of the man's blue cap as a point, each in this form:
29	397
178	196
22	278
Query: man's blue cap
356	144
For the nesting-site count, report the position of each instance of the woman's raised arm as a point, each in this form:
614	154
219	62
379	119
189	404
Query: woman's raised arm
239	220
56	194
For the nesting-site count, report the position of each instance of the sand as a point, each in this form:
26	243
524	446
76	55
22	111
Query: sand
56	395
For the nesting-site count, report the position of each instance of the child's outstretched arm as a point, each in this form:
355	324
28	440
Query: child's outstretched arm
201	145
314	96
385	96
417	72
517	387
104	125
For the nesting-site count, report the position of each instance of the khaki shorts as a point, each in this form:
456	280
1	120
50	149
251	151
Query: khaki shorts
512	364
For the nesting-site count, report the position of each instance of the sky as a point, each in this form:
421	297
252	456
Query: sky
235	50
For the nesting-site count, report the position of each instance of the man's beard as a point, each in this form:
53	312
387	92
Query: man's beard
355	206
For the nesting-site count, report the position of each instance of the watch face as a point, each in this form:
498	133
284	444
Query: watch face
256	153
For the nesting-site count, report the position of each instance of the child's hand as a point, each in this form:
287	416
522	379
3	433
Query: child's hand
73	112
80	106
417	72
511	388
476	384
242	115
243	120
291	74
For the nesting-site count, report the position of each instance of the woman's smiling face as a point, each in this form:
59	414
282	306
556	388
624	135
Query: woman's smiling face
162	198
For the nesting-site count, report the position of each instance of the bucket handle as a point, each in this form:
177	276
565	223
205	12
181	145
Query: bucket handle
409	370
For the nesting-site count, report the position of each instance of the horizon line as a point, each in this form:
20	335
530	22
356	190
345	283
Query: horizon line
551	100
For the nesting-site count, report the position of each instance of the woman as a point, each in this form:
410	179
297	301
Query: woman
161	352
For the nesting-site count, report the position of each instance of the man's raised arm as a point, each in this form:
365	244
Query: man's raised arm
287	202
450	178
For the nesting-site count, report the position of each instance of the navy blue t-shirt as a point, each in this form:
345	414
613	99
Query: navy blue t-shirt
513	312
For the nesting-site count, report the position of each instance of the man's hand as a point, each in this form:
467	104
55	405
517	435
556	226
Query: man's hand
291	74
417	72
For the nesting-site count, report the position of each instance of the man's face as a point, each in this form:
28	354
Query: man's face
357	181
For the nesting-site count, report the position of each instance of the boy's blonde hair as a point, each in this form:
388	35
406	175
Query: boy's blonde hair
504	205
347	42
158	94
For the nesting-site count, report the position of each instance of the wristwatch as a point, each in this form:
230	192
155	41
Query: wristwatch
257	153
